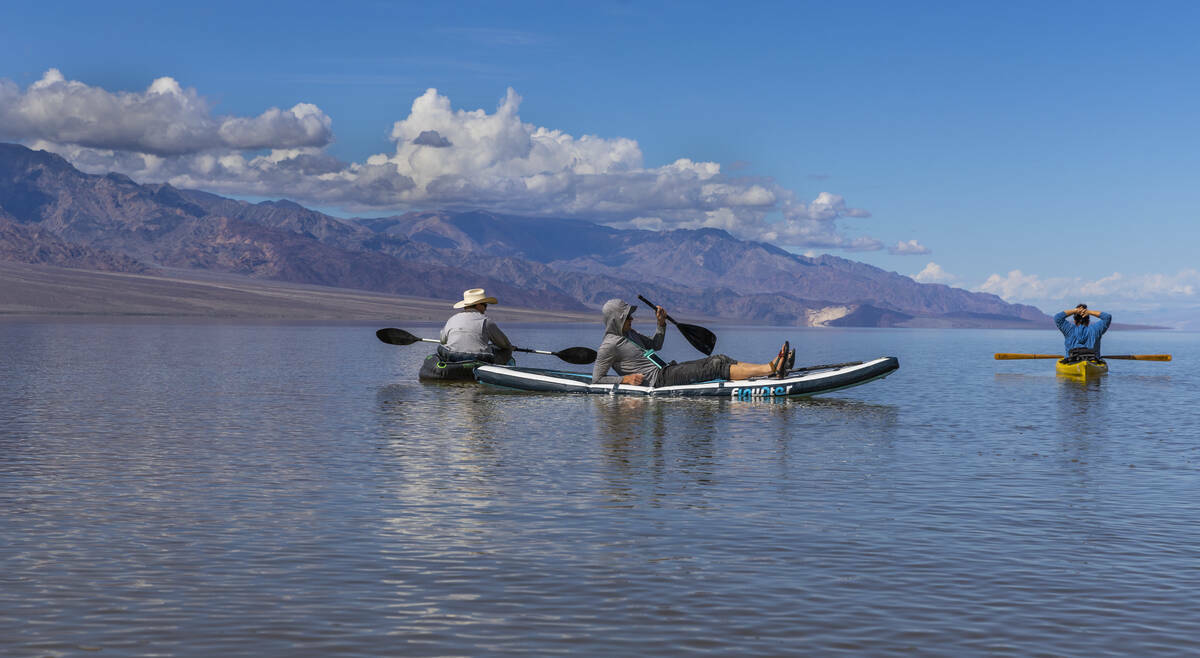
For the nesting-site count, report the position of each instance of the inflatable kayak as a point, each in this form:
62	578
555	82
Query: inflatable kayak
433	369
1085	369
802	382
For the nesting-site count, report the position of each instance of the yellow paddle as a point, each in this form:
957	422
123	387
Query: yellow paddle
1130	357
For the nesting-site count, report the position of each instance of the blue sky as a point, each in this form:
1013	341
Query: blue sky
1041	151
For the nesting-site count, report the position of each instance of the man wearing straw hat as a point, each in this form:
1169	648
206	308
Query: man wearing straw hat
470	335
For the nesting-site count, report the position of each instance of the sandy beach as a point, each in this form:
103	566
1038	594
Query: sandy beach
38	290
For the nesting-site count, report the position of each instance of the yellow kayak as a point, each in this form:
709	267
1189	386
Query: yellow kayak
1081	369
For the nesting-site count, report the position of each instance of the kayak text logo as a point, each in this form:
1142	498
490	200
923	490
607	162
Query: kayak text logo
751	393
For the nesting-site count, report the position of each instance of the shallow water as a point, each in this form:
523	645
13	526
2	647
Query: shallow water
202	489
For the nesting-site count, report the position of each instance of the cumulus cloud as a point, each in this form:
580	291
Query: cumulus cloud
815	224
443	157
909	248
1128	291
933	273
164	120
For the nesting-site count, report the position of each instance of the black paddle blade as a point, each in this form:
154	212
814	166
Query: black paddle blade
393	336
577	355
700	338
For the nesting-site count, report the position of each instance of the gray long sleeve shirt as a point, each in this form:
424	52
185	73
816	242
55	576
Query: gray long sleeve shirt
625	353
471	331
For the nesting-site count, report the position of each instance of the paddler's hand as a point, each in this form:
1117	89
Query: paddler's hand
660	314
635	379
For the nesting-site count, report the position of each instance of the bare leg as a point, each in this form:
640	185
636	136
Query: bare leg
747	370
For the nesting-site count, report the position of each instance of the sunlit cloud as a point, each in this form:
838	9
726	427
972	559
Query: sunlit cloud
909	248
1140	291
443	157
164	120
933	273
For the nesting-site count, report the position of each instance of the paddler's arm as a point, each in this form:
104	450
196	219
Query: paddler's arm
660	315
1060	320
495	335
1105	319
604	359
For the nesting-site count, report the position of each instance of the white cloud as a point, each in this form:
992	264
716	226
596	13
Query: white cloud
442	157
933	273
815	224
909	248
1134	292
164	120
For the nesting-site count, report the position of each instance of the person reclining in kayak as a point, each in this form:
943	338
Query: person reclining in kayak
1082	339
472	336
633	356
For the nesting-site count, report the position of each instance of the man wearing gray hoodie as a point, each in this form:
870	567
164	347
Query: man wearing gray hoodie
634	356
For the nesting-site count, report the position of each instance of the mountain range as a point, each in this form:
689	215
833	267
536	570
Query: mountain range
52	213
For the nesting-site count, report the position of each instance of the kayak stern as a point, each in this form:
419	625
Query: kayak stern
1086	369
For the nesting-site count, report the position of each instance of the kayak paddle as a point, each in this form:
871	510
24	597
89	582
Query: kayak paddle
700	338
576	355
1128	357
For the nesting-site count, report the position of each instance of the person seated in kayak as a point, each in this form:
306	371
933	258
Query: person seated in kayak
1082	339
470	335
632	355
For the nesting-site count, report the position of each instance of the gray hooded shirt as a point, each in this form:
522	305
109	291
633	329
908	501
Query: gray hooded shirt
625	353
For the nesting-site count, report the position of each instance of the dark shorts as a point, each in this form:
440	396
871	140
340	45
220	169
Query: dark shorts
700	370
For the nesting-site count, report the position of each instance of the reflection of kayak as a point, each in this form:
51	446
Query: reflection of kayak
802	383
435	369
1085	369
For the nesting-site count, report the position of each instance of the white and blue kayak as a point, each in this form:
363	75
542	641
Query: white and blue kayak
801	382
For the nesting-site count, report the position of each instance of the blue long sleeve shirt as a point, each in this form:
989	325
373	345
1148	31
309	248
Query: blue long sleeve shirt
1076	335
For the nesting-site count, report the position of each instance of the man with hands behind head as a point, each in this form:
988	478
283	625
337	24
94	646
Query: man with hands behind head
1082	339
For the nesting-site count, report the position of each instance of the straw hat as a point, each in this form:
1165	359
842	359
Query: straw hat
474	296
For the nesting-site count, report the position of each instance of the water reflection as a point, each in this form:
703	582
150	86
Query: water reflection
943	511
1078	399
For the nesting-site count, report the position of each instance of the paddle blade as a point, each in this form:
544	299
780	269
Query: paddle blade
393	336
1139	357
1006	355
700	338
577	355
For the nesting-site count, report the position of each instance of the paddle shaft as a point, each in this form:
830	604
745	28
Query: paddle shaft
702	339
655	306
1127	357
529	351
576	355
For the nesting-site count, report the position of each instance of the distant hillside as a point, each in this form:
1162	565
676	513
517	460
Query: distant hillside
740	278
51	213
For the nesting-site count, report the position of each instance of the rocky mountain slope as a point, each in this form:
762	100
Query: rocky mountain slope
51	213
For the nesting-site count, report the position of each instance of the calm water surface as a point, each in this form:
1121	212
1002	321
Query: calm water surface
205	489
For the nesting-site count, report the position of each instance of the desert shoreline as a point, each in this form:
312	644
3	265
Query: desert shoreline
32	292
49	292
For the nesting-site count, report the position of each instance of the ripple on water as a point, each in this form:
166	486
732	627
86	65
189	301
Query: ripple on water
194	490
